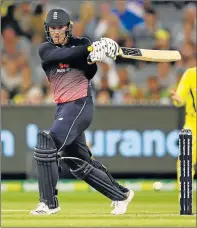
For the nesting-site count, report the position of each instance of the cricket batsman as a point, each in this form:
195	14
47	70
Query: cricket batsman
186	95
69	67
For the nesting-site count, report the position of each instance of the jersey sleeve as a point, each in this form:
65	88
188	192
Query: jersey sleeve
85	41
183	89
91	69
49	53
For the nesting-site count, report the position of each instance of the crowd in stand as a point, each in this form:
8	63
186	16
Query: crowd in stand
133	23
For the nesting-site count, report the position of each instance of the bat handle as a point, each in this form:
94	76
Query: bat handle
90	48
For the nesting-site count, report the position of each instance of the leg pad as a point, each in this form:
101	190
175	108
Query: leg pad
46	156
96	178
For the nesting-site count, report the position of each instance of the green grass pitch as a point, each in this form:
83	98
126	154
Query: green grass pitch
89	209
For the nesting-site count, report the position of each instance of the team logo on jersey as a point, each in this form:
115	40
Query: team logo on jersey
63	67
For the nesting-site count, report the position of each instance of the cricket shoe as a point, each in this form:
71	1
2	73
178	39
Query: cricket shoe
43	209
120	207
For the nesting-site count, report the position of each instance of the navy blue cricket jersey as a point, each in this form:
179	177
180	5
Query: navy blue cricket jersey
67	69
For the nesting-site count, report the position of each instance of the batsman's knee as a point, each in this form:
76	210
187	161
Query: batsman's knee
45	150
80	168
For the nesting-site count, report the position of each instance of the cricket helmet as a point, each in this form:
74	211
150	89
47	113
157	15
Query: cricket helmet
58	17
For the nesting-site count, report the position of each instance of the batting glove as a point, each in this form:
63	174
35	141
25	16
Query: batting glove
112	48
99	52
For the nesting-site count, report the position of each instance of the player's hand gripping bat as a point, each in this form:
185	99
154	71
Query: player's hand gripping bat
147	54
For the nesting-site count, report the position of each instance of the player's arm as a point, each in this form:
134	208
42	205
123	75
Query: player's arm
179	96
92	68
49	53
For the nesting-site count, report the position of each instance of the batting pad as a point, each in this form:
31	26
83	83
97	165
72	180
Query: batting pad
46	157
96	178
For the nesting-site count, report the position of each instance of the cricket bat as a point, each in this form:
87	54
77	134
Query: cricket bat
147	54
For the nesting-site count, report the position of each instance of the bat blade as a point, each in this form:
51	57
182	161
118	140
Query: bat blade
150	55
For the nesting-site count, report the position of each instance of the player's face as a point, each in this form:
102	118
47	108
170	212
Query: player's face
58	34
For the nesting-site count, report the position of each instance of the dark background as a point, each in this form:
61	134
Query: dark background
28	120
